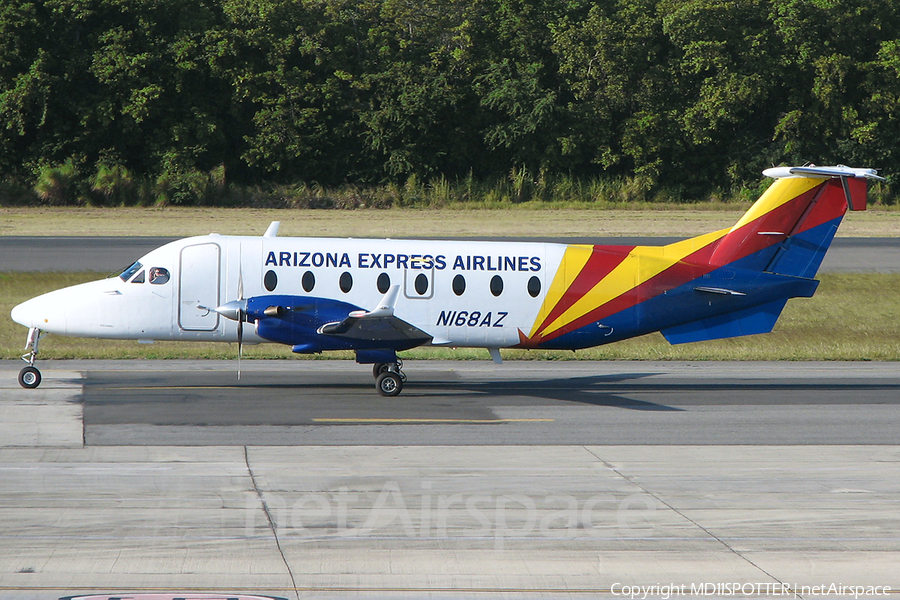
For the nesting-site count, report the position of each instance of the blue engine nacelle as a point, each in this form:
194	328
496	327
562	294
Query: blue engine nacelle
296	320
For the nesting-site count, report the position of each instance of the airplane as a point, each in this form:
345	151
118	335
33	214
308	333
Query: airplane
381	297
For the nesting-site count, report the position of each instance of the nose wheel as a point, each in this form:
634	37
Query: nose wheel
389	378
30	377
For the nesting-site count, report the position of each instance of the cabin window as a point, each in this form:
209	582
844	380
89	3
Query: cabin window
140	278
270	280
496	285
459	285
421	284
308	281
346	282
534	287
159	276
127	273
384	283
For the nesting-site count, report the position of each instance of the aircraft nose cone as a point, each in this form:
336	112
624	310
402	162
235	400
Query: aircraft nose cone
42	312
24	314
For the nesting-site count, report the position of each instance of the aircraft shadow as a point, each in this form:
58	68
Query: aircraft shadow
594	390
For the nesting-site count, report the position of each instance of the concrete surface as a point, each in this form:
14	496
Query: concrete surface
109	254
477	521
476	403
48	416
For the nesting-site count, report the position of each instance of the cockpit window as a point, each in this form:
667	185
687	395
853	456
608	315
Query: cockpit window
127	273
159	276
139	278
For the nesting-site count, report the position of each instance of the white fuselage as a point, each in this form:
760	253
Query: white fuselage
461	293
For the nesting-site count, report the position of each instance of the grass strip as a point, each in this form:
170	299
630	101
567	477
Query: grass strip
851	317
517	221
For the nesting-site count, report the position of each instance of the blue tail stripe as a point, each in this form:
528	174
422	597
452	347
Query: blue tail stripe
804	252
669	310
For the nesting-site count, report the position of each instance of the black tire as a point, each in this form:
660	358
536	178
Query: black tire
29	378
378	369
389	384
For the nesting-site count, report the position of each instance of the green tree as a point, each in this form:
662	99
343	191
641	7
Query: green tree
616	61
293	68
834	62
685	94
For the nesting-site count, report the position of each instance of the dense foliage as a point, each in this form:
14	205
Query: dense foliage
105	96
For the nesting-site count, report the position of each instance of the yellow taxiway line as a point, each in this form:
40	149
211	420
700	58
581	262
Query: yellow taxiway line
427	421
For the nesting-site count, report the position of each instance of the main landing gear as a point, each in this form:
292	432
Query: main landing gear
389	378
30	377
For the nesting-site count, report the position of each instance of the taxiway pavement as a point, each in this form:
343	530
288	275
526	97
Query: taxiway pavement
403	510
112	254
302	402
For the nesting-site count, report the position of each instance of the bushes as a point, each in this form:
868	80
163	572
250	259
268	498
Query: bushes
58	185
114	185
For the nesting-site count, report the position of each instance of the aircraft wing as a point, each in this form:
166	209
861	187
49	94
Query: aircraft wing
380	324
375	328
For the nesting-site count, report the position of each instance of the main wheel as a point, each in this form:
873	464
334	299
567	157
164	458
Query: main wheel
389	384
378	369
29	377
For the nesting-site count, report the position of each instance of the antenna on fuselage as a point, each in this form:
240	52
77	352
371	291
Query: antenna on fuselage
272	231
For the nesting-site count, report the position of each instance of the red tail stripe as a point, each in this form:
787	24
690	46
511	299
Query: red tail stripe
747	240
832	205
601	263
691	267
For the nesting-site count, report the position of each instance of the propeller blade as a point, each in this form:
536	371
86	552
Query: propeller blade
241	315
240	289
240	335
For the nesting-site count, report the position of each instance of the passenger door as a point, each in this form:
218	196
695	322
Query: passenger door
198	293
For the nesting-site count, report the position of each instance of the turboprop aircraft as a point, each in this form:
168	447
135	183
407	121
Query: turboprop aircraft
380	297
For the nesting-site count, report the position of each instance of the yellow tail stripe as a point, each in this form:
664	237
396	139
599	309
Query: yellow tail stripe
781	192
573	261
642	263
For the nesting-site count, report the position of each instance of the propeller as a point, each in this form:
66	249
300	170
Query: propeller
236	310
242	314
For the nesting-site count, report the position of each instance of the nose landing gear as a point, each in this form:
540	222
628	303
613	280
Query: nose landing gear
30	377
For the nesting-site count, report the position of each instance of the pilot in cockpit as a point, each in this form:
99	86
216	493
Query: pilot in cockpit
158	275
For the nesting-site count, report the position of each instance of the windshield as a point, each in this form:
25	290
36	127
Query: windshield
127	273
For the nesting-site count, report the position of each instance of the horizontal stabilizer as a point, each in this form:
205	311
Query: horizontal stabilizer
823	172
750	321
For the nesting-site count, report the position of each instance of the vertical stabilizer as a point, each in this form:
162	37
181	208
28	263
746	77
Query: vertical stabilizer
789	228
